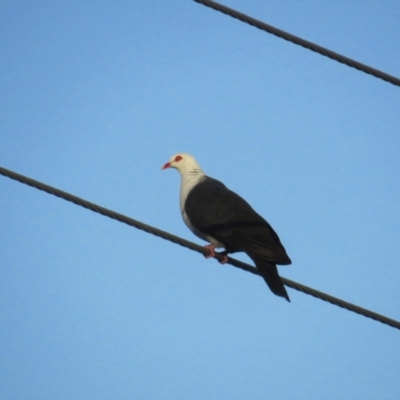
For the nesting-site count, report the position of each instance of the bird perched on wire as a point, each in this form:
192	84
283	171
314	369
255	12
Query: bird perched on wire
221	217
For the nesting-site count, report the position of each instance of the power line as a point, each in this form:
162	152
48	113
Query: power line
192	246
301	42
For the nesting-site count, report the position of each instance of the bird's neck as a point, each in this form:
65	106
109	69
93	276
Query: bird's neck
189	180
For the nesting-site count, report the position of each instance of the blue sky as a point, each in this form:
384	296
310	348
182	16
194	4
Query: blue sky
95	97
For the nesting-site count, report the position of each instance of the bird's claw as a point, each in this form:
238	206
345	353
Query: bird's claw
212	253
224	259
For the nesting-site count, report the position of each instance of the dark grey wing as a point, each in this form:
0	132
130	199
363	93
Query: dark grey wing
215	210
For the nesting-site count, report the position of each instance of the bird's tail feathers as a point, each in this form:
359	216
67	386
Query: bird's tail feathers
270	274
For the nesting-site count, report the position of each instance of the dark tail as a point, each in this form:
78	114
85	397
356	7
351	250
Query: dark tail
270	274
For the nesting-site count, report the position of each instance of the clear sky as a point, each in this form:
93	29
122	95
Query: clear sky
94	97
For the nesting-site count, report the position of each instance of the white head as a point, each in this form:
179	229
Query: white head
185	164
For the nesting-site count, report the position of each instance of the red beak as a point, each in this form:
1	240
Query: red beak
165	166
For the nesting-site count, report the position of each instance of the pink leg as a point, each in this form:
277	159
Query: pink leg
224	260
211	248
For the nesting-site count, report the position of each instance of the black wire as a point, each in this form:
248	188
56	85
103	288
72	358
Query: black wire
192	246
301	42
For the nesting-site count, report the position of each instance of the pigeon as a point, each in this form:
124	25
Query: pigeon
225	220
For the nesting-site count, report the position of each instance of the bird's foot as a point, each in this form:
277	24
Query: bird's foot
224	258
212	253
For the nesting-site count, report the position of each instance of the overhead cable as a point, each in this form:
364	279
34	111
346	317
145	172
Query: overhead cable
301	42
192	246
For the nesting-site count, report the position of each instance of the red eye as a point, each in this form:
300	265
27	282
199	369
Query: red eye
178	158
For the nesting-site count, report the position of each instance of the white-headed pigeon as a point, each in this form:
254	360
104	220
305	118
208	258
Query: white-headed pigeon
219	216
